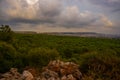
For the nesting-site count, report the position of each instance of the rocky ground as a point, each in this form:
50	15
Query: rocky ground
55	70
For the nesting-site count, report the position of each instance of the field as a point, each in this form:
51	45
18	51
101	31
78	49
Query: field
99	58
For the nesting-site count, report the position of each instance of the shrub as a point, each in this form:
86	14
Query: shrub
101	66
41	56
6	33
7	56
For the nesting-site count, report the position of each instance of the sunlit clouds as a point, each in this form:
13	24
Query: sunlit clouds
61	15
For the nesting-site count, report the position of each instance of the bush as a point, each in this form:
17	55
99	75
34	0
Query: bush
6	33
101	66
41	56
7	56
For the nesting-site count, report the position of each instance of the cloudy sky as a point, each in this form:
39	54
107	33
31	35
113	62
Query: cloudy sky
102	16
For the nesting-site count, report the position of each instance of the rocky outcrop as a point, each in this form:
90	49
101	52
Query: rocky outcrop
55	70
59	70
13	74
27	75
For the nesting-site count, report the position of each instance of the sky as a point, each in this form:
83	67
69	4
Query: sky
101	16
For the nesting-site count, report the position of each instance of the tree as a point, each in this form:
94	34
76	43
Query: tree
7	56
6	34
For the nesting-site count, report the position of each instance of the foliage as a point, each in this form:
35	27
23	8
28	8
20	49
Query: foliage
41	56
100	66
99	58
7	56
6	33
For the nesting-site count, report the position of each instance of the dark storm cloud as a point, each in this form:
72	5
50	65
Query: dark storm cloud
27	21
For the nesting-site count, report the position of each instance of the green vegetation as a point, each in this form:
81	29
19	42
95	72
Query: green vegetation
99	58
6	33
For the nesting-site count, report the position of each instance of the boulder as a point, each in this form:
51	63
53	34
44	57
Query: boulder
55	70
27	75
48	74
11	75
60	70
70	77
64	78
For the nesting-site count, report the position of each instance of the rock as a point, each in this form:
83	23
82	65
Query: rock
55	70
27	75
43	78
14	72
38	78
77	74
62	71
0	75
48	74
64	78
51	78
11	75
35	72
54	65
70	77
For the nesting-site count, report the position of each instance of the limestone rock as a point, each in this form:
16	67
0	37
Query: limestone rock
59	70
27	75
11	75
70	77
55	70
64	78
51	75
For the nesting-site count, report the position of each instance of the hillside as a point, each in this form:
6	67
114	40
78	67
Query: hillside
98	58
